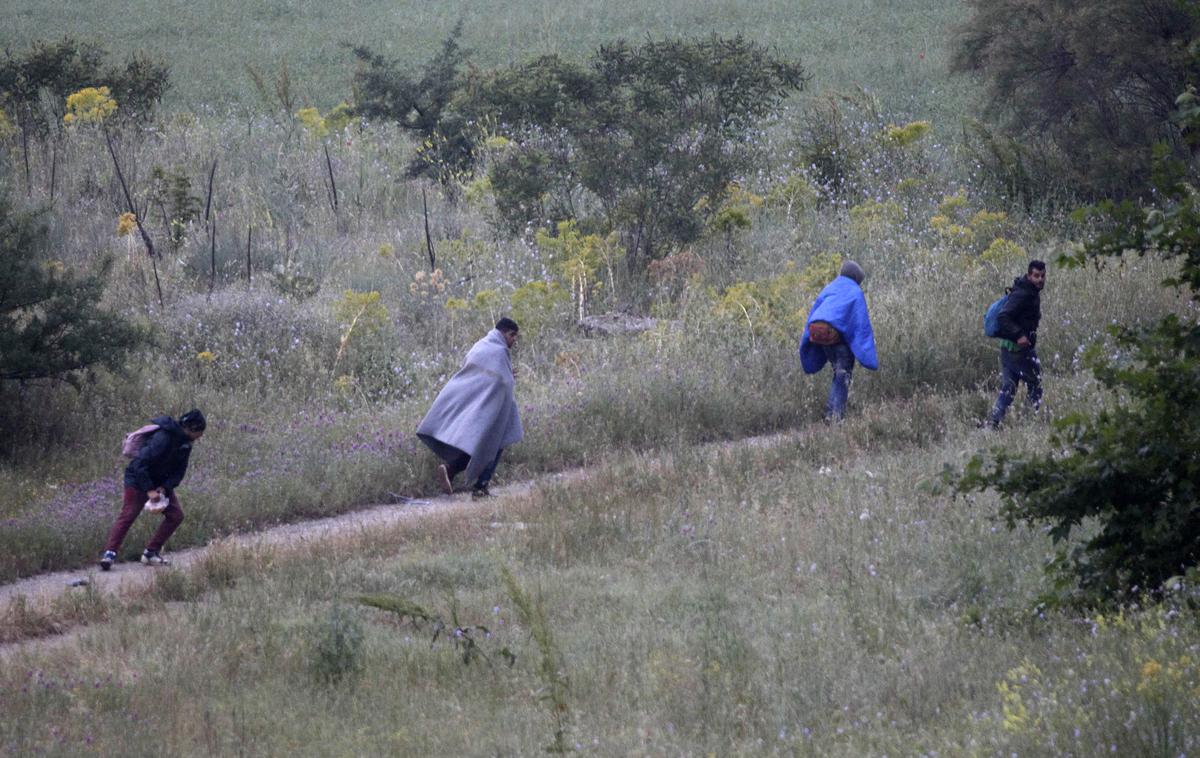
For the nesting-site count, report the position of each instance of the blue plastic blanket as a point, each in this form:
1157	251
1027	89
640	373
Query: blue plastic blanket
841	304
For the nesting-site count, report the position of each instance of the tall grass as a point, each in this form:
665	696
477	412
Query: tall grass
821	596
311	418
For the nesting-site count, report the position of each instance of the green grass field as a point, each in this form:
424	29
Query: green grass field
896	49
822	596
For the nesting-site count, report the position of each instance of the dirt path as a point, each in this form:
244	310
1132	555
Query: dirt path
128	577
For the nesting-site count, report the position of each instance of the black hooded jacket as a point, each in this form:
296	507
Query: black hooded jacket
163	458
1021	312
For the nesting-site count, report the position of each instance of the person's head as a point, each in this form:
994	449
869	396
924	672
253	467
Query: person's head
193	423
1036	274
508	328
854	271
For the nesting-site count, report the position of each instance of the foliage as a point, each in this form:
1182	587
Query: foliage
319	126
577	258
170	192
1131	468
337	647
462	636
90	105
632	138
795	193
910	133
556	685
359	313
1096	79
537	304
834	138
418	104
776	308
873	219
51	325
68	66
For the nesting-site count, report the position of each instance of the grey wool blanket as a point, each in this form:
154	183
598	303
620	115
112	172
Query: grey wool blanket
476	411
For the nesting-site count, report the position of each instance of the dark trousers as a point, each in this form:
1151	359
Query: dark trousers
131	508
841	359
1022	366
458	464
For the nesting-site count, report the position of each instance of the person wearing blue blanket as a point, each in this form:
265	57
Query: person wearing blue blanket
838	332
475	415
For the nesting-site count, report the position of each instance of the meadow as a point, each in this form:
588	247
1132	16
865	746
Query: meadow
822	595
817	596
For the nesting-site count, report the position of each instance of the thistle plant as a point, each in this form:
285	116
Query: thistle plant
463	637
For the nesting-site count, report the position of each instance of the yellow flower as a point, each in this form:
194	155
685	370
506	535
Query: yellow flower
310	119
386	250
6	127
126	224
206	357
90	105
1002	251
902	136
456	304
55	267
344	384
952	205
339	118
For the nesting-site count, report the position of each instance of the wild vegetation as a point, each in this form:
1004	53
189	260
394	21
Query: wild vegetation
305	253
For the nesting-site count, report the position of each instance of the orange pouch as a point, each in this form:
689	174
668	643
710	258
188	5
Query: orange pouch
822	333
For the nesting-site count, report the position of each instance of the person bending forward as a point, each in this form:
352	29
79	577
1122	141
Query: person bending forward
475	415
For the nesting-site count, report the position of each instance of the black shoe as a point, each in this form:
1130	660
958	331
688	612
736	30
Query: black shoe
152	558
481	492
107	560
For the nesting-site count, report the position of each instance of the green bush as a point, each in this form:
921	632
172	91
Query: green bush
631	139
1131	469
51	324
1097	80
337	641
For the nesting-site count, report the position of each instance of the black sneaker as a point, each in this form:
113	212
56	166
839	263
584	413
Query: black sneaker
481	492
152	558
107	560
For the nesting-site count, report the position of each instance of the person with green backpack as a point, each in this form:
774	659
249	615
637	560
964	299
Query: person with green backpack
1014	321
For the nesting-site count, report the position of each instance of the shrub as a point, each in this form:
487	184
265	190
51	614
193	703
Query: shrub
67	66
419	105
631	139
1096	79
336	647
1131	468
51	324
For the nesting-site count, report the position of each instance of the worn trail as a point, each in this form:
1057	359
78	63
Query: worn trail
128	577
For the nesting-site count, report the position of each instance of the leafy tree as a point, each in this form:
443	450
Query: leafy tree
632	138
51	325
66	66
1097	79
419	105
1133	469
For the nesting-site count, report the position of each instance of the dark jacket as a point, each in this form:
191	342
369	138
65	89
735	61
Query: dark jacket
163	458
1021	312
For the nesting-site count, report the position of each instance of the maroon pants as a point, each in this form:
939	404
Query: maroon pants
131	508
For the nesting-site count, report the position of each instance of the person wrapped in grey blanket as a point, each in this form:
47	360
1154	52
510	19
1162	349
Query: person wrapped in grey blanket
475	415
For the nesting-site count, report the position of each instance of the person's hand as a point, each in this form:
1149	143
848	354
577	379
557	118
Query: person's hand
1023	342
156	494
